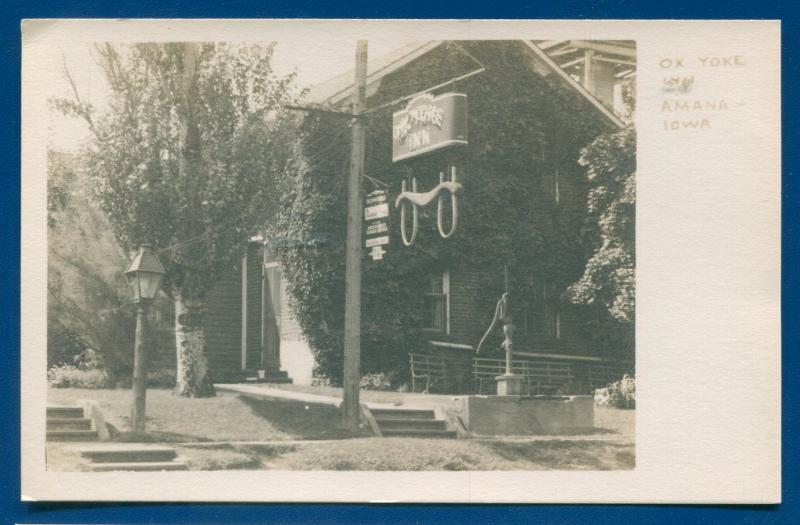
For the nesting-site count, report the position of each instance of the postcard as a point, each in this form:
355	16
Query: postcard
401	261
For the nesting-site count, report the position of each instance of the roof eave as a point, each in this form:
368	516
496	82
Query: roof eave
607	113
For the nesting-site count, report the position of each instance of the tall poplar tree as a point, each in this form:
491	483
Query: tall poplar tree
186	156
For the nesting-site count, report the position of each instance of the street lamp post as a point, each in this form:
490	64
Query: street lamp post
144	278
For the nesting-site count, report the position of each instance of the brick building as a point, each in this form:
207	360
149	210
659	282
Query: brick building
250	327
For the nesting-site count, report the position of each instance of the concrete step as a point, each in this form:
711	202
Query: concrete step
402	413
422	424
68	423
71	435
272	376
421	433
268	379
124	453
280	380
151	466
64	412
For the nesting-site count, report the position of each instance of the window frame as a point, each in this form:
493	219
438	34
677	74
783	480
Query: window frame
445	297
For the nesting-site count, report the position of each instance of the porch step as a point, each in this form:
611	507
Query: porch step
68	423
421	433
64	412
272	376
126	454
141	466
410	424
402	413
71	435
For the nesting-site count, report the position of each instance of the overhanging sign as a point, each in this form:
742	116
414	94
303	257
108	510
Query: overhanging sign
429	123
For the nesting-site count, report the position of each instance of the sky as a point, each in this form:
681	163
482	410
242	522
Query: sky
317	61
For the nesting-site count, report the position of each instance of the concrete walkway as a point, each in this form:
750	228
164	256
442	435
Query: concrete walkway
263	390
408	401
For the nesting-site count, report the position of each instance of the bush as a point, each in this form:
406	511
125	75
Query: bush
619	394
63	345
69	376
161	378
377	381
156	378
320	380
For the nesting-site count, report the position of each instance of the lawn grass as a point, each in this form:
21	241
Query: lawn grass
233	418
226	417
409	454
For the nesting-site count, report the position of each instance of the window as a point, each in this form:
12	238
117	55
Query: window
533	322
552	184
436	304
542	315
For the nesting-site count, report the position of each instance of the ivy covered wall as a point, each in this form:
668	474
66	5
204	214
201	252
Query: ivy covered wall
522	127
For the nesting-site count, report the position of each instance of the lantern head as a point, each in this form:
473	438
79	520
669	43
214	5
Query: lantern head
144	275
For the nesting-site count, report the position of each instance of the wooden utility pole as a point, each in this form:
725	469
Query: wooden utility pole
352	314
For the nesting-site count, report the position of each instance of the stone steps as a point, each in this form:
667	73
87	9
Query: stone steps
129	453
71	435
64	412
411	422
418	424
402	413
141	466
420	433
132	457
271	376
65	423
68	423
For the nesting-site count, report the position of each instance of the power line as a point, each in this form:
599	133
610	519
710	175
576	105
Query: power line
432	88
333	144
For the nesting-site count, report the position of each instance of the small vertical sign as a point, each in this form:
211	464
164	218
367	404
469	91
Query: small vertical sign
376	217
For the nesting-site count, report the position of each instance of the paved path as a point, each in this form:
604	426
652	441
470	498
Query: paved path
266	391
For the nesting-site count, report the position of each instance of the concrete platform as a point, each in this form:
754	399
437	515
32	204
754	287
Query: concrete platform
526	415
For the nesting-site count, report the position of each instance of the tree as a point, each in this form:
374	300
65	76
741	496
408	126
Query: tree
609	276
186	157
87	299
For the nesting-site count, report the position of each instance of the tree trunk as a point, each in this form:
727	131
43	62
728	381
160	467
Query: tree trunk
191	373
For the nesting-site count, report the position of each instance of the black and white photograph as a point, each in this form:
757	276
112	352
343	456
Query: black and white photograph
423	262
396	251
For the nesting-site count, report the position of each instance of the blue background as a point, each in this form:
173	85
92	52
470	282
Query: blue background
12	510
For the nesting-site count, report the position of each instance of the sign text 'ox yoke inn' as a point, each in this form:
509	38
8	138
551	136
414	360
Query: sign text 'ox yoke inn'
487	153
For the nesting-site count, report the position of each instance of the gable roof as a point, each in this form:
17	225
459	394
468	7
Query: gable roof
338	89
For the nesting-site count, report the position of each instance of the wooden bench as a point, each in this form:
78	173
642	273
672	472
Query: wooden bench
598	375
432	369
541	377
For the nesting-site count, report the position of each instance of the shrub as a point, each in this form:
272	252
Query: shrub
156	378
161	378
63	345
377	381
619	394
89	359
69	376
320	380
